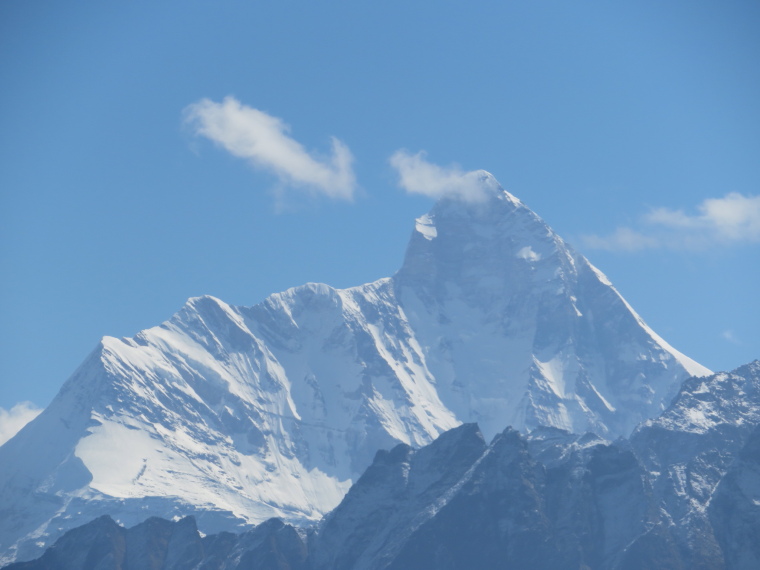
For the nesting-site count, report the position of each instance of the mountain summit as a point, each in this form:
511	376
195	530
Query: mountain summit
520	329
238	414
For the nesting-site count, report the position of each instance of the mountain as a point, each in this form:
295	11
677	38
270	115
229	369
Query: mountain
683	492
238	414
694	453
158	544
454	504
520	329
505	509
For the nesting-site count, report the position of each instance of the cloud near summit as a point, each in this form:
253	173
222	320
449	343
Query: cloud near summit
418	176
11	421
733	219
265	142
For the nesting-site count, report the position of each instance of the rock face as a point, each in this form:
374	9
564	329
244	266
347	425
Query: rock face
734	512
238	414
547	500
584	507
694	453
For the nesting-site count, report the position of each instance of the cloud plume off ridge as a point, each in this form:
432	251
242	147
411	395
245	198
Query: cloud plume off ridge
418	176
265	142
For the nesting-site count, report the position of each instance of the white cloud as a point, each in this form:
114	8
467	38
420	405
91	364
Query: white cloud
731	218
718	221
11	421
263	140
730	337
418	176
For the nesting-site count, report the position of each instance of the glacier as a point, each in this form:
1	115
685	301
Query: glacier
238	414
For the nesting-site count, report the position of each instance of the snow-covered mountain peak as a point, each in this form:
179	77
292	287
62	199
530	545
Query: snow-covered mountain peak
491	280
489	189
484	243
713	403
479	204
242	413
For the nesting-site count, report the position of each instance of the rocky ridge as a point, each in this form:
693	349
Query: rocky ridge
548	499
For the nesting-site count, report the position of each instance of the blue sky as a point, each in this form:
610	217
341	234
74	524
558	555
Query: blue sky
127	186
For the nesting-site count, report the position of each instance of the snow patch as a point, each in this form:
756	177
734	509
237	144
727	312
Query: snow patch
426	226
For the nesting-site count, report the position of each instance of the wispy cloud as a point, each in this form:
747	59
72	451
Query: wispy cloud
11	421
733	219
265	142
418	176
730	337
624	239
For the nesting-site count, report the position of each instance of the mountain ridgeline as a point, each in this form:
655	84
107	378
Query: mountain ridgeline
235	415
682	493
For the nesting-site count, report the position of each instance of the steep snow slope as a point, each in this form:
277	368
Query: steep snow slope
519	329
237	414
